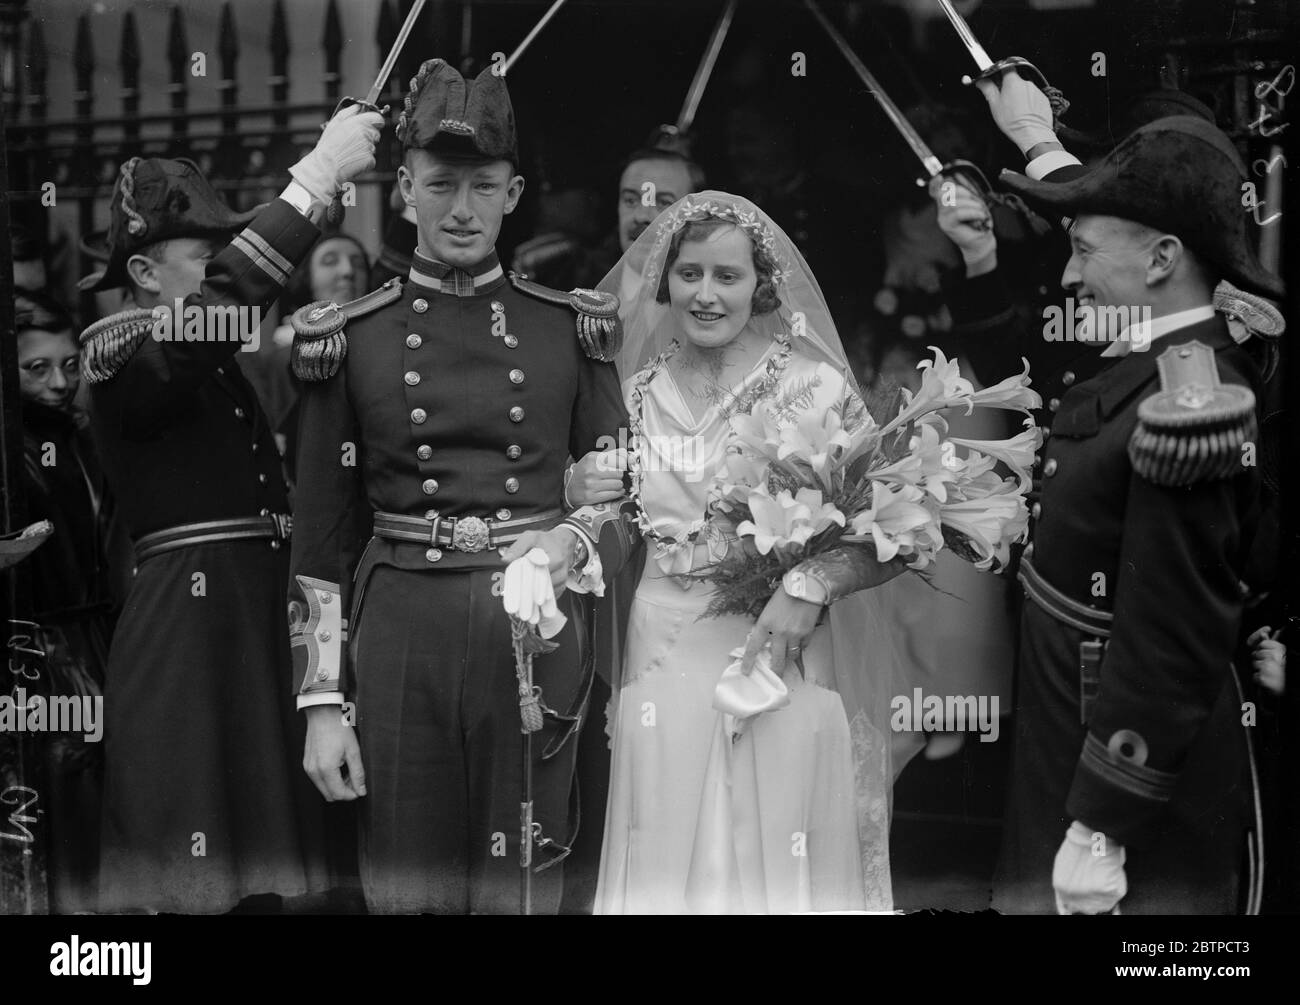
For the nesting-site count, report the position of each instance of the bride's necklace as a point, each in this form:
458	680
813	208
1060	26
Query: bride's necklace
740	402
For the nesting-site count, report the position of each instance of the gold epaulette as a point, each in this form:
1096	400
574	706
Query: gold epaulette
1193	429
1248	315
320	345
110	342
600	331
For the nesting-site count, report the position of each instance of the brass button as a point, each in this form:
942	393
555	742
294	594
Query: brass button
255	447
431	515
322	675
517	414
510	341
418	415
420	305
262	479
497	306
433	554
1054	404
516	376
1049	468
1047	431
323	636
503	514
325	598
424	452
514	451
429	486
413	341
512	485
1037	511
275	545
265	512
1067	378
239	412
411	377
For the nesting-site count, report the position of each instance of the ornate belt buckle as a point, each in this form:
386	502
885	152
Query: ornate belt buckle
470	534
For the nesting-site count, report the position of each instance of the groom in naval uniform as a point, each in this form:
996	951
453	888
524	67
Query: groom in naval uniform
436	419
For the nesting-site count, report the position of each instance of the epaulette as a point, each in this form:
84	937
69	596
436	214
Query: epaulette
1247	315
1193	429
600	331
110	342
320	344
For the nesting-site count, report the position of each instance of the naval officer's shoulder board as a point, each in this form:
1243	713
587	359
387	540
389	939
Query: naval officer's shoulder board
110	342
1194	429
320	343
600	332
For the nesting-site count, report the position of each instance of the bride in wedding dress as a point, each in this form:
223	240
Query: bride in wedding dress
751	760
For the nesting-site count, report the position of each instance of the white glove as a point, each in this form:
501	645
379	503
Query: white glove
1088	875
965	220
528	595
1019	109
345	149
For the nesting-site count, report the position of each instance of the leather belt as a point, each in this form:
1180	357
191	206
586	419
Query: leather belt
466	533
275	527
1061	607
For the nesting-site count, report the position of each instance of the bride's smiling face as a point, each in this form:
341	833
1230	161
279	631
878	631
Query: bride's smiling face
711	286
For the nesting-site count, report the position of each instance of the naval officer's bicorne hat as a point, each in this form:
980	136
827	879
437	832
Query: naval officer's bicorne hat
445	113
1180	175
157	199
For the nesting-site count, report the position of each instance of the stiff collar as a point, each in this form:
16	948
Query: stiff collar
1148	332
443	278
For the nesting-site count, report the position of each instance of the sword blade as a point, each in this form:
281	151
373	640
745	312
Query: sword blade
385	71
537	29
933	166
705	70
967	36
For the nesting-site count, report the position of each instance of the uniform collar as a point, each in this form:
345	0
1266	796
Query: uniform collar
443	278
1122	378
1157	328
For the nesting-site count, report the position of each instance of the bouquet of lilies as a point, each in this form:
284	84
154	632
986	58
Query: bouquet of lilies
812	470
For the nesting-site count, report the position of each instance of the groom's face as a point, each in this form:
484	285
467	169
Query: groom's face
459	204
711	287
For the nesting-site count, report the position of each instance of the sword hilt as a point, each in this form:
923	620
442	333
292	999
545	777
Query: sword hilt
1021	65
367	106
969	175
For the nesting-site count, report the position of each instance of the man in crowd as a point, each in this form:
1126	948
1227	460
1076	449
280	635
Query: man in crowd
204	801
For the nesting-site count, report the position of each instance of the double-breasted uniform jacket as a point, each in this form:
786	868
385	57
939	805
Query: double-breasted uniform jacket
1128	715
450	400
200	737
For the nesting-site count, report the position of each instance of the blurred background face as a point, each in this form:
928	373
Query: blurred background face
338	269
711	287
670	180
49	367
459	204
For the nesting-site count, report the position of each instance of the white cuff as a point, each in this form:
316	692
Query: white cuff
320	698
297	197
591	578
1044	164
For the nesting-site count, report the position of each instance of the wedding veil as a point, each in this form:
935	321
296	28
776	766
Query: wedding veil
866	660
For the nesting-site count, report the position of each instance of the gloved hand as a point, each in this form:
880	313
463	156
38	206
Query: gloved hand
1085	881
966	221
1019	109
345	149
527	592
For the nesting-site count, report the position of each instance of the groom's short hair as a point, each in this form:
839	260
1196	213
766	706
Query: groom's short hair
765	299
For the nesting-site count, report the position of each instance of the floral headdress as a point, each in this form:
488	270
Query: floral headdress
694	208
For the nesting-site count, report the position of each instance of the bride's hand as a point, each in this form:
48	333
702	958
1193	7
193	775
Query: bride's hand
786	623
596	478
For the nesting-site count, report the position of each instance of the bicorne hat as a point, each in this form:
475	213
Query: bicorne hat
156	199
1180	175
1148	106
445	113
